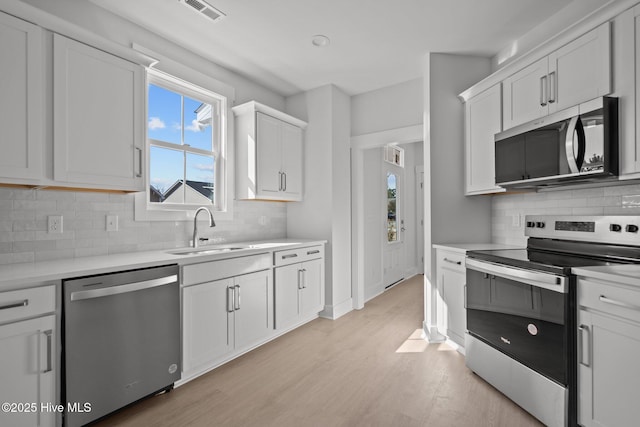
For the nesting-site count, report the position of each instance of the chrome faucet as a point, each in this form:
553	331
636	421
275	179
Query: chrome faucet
212	223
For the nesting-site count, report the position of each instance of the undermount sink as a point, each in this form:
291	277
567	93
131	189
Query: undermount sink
207	250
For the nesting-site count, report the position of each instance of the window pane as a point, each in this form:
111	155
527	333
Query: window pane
165	115
198	119
392	224
200	178
166	172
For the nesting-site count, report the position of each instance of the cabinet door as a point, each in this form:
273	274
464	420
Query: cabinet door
581	70
292	161
313	287
21	103
453	282
207	325
510	159
483	119
608	371
287	295
253	316
269	158
28	370
98	117
525	94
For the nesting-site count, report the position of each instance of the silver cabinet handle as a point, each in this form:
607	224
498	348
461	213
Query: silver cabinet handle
121	289
552	87
619	303
139	173
236	299
49	335
299	278
280	183
584	345
317	251
289	256
452	261
230	299
285	181
465	296
304	278
16	304
543	91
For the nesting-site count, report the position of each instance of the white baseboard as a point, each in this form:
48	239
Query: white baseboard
335	311
431	333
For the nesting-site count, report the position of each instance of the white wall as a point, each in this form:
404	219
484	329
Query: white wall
325	212
450	217
387	108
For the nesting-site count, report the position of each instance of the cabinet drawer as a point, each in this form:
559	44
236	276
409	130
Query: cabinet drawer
609	298
298	255
24	303
215	270
451	260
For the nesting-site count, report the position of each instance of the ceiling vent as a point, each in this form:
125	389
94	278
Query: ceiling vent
204	8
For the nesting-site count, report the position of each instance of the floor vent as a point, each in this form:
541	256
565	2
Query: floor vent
204	8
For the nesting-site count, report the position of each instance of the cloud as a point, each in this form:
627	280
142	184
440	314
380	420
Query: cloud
203	167
156	123
195	126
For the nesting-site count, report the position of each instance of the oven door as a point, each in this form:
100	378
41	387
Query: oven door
521	313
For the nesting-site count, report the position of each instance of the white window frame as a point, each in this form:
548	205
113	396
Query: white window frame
223	208
180	87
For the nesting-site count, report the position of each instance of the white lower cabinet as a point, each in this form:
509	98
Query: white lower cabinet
299	285
28	356
451	280
608	349
222	316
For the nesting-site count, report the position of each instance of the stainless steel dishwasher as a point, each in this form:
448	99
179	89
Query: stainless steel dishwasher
121	340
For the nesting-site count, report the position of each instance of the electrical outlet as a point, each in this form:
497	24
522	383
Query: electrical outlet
54	224
112	222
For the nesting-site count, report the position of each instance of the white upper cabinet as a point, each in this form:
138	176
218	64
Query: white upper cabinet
22	100
483	119
268	153
98	118
577	72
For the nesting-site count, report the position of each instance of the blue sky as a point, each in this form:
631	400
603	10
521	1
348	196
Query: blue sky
164	123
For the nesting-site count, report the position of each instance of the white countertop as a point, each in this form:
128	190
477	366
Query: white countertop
628	274
464	247
17	276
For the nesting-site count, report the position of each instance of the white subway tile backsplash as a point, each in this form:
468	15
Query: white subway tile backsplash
614	200
24	237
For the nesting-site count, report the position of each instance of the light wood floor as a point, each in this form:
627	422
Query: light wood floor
368	368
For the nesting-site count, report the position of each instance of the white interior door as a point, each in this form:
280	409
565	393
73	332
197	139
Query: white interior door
394	251
419	226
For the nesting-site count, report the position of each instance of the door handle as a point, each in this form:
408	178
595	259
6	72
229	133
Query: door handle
584	345
139	173
465	296
285	181
121	289
236	299
543	91
280	183
304	278
552	87
48	334
16	304
230	299
574	161
452	262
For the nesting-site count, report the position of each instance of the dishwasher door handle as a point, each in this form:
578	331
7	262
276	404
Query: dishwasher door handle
121	289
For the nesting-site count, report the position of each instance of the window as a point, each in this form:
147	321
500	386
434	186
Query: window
186	145
392	223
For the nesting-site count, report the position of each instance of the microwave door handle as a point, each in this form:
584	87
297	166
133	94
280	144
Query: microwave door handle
575	161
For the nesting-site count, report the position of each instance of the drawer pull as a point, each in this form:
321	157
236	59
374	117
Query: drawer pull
452	261
289	256
16	304
619	303
317	251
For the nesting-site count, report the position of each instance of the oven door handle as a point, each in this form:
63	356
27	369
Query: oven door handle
548	281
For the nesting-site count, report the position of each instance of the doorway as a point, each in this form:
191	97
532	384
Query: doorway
394	250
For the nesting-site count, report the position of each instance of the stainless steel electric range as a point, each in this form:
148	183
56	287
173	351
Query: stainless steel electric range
521	308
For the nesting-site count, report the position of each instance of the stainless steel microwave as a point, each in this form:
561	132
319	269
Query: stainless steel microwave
576	144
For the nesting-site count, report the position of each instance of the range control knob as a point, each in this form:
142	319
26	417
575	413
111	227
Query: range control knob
531	224
615	227
540	224
631	228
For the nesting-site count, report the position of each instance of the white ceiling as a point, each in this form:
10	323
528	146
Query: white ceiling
374	43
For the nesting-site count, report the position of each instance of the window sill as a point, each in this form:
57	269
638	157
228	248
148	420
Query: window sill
141	213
